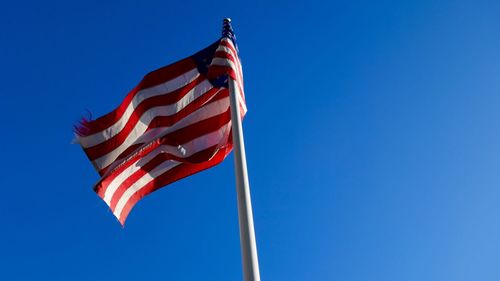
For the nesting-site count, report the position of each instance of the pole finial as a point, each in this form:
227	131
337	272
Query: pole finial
227	29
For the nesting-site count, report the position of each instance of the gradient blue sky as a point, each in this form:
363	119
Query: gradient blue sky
372	138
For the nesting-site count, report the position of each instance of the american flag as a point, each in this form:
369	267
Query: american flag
174	123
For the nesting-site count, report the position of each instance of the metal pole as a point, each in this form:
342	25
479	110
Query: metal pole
247	234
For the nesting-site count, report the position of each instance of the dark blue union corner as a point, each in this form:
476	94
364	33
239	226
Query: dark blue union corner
203	60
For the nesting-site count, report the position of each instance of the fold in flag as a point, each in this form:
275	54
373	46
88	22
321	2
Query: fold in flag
174	123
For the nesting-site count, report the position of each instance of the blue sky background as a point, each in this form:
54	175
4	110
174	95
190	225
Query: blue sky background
372	138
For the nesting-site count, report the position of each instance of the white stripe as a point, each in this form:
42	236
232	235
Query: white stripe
231	64
227	50
235	56
227	62
229	41
238	69
143	181
194	146
115	183
241	98
183	151
210	110
167	87
147	117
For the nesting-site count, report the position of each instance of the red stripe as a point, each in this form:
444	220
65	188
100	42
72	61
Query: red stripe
160	122
224	69
178	137
112	143
199	157
175	138
123	155
134	177
218	70
175	174
226	43
164	121
198	129
235	60
151	79
108	176
197	162
167	73
225	55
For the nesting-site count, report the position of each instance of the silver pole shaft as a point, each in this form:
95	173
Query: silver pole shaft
249	257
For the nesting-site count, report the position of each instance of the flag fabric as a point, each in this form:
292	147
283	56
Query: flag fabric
174	123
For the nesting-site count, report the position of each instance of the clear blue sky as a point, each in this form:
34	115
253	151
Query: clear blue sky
373	141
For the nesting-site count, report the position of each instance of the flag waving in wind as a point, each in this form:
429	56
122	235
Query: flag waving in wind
174	123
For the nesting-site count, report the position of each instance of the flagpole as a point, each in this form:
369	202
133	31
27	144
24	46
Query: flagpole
245	217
